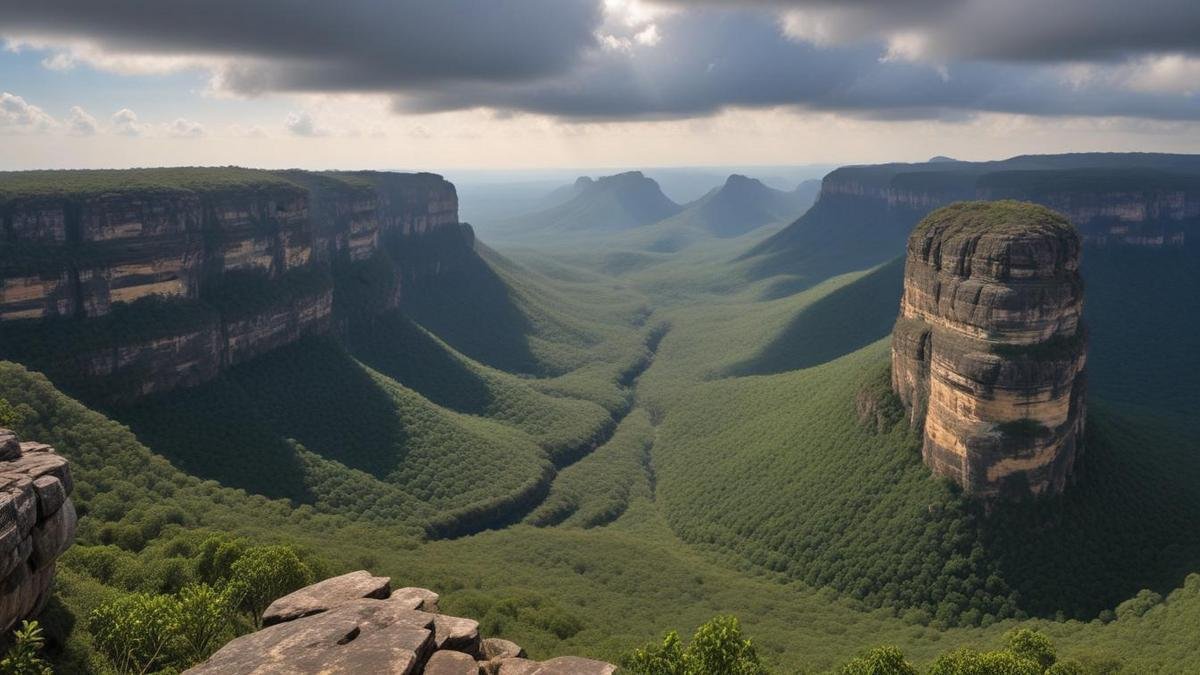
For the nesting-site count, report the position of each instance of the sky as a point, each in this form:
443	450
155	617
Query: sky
535	84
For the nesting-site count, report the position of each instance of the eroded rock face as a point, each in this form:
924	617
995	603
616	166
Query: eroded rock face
355	623
37	525
242	270
989	350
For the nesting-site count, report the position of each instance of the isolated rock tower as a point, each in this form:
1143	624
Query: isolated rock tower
989	350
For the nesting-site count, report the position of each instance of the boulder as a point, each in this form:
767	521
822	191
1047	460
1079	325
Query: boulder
460	635
325	595
516	666
416	598
451	663
364	636
499	648
10	446
574	665
37	525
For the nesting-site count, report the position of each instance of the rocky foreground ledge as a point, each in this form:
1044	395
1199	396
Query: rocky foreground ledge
37	524
356	623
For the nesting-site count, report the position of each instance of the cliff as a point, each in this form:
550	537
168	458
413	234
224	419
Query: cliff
37	524
356	623
155	279
864	213
989	350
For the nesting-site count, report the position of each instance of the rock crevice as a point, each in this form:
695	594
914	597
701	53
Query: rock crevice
989	351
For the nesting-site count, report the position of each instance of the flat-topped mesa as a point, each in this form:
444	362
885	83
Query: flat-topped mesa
989	350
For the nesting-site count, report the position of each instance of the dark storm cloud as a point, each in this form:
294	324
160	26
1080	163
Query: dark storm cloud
324	44
1011	30
565	58
707	61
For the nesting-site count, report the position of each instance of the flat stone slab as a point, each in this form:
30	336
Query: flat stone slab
499	648
574	665
325	595
451	663
364	636
416	598
452	632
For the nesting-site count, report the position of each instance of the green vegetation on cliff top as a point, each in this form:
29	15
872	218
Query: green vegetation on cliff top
998	217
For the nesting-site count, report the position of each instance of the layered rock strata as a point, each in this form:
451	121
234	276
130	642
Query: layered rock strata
202	240
356	623
989	350
37	525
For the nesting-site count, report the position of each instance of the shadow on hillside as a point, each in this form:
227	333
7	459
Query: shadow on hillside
842	322
1127	523
235	430
400	349
473	310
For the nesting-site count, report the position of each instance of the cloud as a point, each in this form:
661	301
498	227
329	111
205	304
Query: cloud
353	45
125	122
184	128
80	123
18	116
998	30
302	124
637	59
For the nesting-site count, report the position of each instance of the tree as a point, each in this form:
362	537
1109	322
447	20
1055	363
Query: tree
24	657
968	661
263	574
716	647
1032	645
138	633
886	660
203	620
9	416
657	659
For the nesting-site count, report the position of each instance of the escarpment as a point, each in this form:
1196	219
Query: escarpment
149	280
989	350
37	524
356	623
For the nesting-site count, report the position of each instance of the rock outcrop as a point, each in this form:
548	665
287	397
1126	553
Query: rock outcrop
247	260
989	350
355	623
37	524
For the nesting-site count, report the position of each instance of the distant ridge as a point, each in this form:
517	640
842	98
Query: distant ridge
606	204
743	204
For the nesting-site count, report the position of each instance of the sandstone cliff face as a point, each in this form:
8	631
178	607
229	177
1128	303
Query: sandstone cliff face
72	256
989	350
37	524
356	623
1108	206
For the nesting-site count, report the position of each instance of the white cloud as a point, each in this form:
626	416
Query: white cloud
301	124
184	128
80	123
19	116
125	122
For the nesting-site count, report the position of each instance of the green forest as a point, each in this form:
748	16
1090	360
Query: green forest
598	450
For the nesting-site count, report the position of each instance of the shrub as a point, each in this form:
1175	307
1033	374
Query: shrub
716	647
263	574
24	657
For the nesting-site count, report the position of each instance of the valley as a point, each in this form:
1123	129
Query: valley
589	436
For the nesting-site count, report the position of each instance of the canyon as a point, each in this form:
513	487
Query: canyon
150	280
988	353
